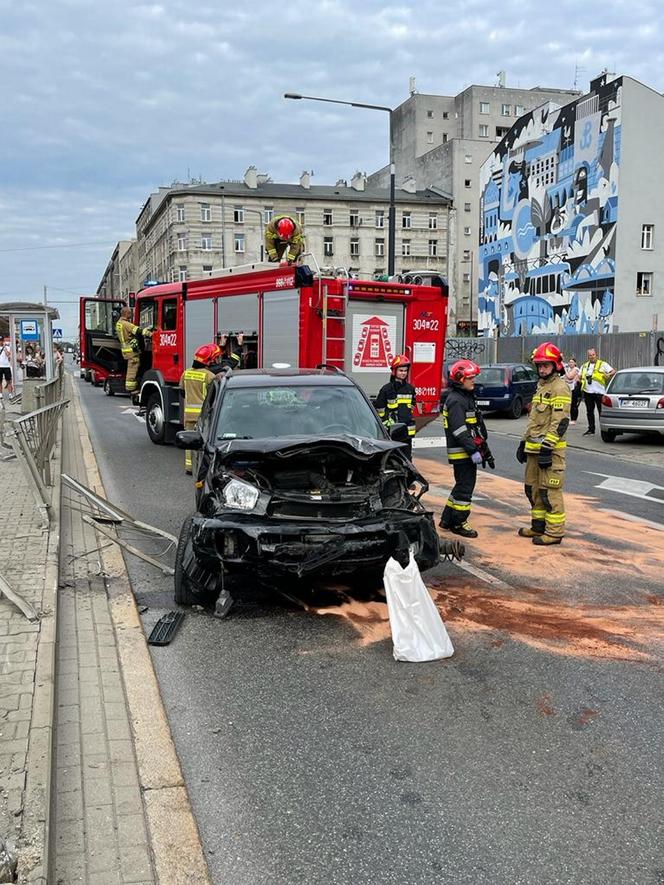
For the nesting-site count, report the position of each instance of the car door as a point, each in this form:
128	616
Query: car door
206	424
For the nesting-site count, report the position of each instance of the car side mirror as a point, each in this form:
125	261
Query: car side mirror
399	432
189	439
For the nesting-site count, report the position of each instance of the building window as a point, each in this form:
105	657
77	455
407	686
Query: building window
433	220
206	212
380	218
354	247
429	137
354	218
466	254
501	131
467	182
380	248
405	247
444	137
299	212
519	110
328	246
466	231
327	217
406	219
647	234
505	110
206	242
268	212
179	212
207	268
466	207
430	114
182	273
182	242
484	107
433	248
468	158
644	283
484	131
238	215
466	278
239	243
445	115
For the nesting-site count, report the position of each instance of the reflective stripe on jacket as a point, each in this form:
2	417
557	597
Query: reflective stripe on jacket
126	333
549	415
271	236
597	375
195	383
395	404
463	422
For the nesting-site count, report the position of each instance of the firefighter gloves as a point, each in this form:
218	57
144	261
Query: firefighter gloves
476	458
521	456
545	458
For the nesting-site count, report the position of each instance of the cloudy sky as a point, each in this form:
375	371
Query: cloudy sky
103	102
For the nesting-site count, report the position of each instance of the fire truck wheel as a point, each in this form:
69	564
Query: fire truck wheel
154	420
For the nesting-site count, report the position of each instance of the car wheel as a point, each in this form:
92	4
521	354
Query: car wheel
516	409
88	376
608	435
182	588
154	420
108	390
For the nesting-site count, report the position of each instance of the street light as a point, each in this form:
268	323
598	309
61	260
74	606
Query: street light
258	212
391	242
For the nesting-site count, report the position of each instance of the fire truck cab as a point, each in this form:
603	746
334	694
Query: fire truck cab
101	357
293	317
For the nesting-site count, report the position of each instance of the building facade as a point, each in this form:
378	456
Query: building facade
120	277
569	204
441	142
187	231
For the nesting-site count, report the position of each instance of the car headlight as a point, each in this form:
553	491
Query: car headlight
240	495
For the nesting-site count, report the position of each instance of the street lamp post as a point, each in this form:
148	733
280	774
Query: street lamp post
258	212
391	241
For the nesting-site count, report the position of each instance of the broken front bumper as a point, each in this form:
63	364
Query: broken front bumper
273	549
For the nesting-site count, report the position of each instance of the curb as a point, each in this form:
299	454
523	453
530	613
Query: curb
38	798
177	852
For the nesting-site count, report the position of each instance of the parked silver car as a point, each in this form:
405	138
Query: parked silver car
633	403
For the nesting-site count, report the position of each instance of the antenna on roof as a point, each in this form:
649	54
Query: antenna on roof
501	79
577	70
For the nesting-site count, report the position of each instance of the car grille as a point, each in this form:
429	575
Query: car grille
319	510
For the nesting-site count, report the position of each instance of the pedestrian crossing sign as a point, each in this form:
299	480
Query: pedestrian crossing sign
57	333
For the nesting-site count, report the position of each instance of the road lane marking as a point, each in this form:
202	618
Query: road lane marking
429	442
484	576
632	518
635	488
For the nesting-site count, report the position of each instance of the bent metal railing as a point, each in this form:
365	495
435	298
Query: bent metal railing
36	434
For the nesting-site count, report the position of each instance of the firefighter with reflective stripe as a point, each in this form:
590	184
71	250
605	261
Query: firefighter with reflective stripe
395	402
194	385
466	435
283	235
542	449
227	357
128	334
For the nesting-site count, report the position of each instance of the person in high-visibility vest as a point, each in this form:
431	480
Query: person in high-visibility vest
127	334
595	375
194	384
283	235
395	402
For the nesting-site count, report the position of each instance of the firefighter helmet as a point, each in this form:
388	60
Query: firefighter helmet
285	228
463	369
207	354
548	353
401	361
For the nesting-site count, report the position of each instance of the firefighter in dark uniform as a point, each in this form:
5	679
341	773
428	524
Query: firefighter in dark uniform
465	434
283	235
227	358
542	449
395	402
194	385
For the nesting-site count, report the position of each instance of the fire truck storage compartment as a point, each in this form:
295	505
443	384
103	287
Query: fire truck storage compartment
281	322
374	335
198	326
238	313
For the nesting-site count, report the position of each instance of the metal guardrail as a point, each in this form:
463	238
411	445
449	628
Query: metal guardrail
36	434
50	392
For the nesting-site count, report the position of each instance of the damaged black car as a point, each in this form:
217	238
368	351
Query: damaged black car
297	479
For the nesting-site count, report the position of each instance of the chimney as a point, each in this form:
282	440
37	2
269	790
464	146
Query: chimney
251	178
341	182
409	185
305	180
358	181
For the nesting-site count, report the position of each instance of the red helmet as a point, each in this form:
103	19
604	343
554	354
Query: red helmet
401	361
548	353
462	369
207	354
285	228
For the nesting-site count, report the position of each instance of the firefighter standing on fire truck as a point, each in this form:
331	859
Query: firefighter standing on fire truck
542	449
128	334
283	235
194	385
395	402
466	435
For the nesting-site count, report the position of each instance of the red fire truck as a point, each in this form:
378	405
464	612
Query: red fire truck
291	316
101	358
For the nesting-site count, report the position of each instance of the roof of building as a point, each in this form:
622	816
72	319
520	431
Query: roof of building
28	307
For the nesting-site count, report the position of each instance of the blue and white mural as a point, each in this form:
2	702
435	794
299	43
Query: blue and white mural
548	219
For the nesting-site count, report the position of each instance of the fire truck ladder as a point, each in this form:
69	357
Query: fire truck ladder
334	327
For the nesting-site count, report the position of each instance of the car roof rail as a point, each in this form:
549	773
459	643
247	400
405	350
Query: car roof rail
334	369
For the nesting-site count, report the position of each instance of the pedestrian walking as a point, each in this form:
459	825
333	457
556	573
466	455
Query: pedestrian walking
465	434
395	402
595	375
573	379
6	368
542	449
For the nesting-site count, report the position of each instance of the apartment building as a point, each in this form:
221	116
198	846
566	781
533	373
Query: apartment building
121	274
441	142
188	230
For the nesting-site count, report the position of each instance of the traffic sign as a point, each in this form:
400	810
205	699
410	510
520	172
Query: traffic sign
57	333
29	330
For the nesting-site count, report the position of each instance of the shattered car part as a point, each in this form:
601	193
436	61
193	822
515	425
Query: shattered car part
223	604
165	629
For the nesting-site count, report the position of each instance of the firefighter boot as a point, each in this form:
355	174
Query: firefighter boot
546	540
529	533
464	530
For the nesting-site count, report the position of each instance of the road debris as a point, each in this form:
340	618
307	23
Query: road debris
165	629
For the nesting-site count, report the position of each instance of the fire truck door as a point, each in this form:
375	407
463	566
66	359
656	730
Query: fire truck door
373	338
281	323
198	326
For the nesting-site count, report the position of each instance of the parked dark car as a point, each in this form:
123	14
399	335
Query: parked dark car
633	403
503	387
297	478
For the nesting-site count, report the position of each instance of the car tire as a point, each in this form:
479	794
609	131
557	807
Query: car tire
516	409
108	389
608	436
182	591
154	420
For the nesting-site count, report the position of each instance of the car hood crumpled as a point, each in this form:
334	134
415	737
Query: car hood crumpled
358	446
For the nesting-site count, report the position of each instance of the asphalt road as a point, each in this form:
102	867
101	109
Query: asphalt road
533	755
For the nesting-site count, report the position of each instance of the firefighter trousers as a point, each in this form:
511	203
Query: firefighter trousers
132	371
188	455
282	248
544	490
457	508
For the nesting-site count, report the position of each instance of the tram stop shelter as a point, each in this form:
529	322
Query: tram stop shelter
27	323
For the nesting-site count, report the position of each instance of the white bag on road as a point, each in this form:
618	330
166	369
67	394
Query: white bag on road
418	631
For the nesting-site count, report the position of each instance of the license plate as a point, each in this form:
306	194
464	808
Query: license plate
634	404
482	402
